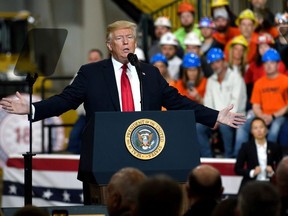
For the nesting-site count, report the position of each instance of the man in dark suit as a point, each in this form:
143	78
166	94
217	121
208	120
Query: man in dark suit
98	86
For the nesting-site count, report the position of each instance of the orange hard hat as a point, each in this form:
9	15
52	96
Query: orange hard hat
185	7
265	38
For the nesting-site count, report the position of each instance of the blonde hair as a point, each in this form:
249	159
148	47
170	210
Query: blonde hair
121	24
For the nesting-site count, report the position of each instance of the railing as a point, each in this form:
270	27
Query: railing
50	126
170	10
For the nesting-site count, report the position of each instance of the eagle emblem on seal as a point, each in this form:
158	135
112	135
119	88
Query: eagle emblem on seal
145	138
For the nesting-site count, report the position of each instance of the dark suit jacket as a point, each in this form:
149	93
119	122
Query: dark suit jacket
95	85
247	159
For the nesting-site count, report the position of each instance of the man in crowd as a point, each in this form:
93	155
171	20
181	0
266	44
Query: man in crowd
269	100
224	87
204	190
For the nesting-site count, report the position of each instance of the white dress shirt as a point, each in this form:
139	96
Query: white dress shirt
134	82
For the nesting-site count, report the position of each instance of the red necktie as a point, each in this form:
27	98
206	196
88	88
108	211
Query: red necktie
126	92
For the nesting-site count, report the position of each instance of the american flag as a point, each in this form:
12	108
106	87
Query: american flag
54	181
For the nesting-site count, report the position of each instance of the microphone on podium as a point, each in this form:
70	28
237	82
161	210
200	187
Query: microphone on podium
133	59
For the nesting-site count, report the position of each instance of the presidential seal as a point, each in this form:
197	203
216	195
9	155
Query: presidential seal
145	139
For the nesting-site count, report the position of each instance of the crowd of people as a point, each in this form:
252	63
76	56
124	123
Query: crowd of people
130	192
228	59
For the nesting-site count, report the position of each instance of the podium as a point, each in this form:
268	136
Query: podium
156	142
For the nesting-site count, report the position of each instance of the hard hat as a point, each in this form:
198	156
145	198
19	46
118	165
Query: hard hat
214	54
239	40
192	39
185	7
218	3
271	55
246	14
140	54
191	60
281	18
206	22
265	38
159	57
220	12
163	21
168	39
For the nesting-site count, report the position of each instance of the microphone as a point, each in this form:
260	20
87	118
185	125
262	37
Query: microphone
133	59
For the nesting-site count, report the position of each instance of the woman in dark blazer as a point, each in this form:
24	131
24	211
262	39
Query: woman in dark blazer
258	158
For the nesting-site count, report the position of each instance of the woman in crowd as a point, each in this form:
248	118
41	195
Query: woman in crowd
192	83
160	61
257	158
237	54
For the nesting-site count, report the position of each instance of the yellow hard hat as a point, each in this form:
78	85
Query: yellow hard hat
246	14
219	3
239	40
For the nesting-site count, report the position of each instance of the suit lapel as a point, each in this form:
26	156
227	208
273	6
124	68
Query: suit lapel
109	76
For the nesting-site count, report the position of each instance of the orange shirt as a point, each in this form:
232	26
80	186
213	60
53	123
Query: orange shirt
183	91
252	48
224	37
271	94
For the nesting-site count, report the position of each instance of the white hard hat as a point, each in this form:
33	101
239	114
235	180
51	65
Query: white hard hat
168	39
162	21
192	39
140	54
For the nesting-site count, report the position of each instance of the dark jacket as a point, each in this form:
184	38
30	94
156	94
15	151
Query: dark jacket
247	159
95	85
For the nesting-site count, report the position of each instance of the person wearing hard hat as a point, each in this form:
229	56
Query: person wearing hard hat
224	21
162	25
186	13
222	88
193	44
269	100
237	54
169	45
247	23
192	82
207	27
223	6
256	68
160	61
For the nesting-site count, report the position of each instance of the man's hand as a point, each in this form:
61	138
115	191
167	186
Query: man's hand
229	118
18	105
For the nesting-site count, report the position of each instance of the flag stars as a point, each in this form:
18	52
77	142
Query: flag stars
12	189
47	194
66	196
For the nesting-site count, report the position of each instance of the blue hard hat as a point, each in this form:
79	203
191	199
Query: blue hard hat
214	54
206	22
271	55
158	57
191	60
